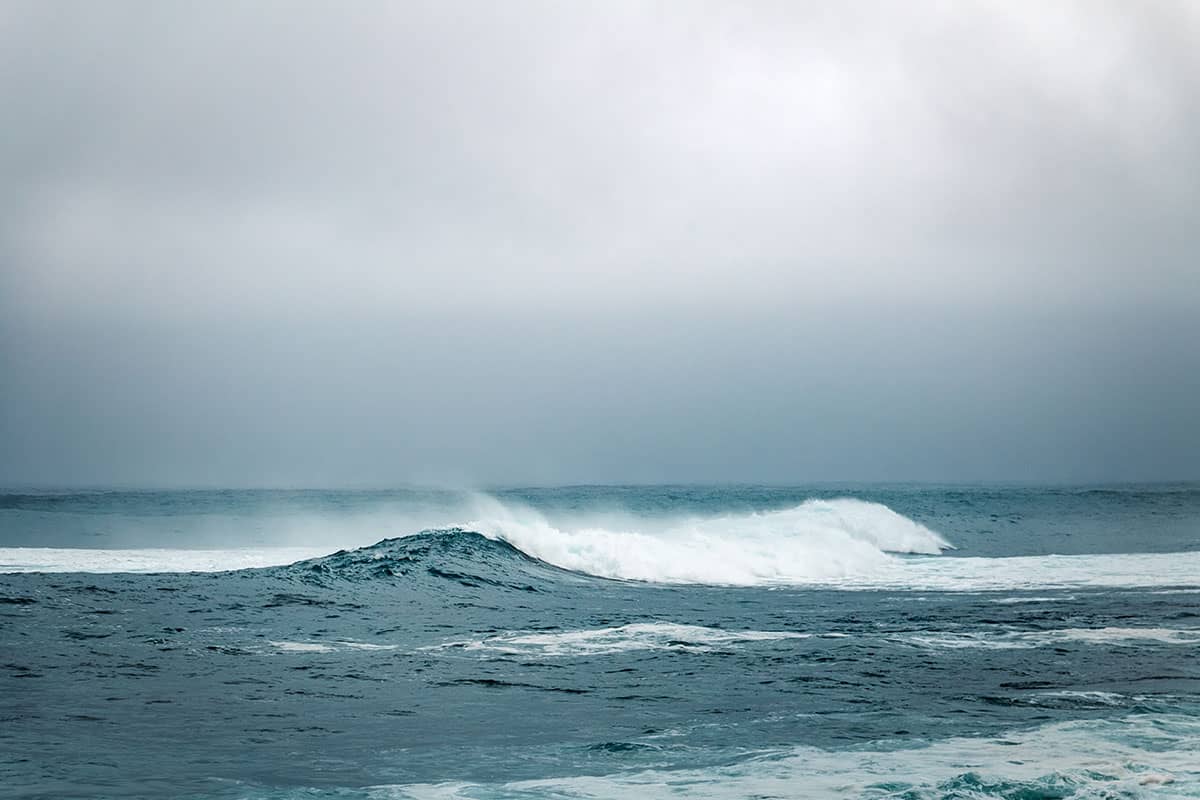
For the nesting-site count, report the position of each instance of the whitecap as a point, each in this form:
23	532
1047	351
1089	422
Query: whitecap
1022	640
620	639
302	647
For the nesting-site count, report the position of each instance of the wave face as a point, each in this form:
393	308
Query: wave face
459	556
818	540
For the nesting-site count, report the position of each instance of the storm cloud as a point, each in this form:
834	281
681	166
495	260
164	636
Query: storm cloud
362	244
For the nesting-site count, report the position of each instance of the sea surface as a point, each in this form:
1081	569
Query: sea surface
602	642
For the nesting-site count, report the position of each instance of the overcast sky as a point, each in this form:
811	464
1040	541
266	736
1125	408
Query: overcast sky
514	242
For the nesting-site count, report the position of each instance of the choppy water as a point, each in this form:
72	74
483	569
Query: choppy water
602	642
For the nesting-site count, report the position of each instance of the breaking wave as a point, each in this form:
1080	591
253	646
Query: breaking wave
819	541
816	541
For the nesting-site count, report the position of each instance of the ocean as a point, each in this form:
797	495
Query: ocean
602	642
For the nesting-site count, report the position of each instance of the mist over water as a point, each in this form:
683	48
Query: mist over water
604	243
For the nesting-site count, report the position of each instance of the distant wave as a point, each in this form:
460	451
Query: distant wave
842	544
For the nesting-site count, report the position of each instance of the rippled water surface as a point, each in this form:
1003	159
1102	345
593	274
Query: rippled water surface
905	642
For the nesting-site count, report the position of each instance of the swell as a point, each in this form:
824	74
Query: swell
844	544
459	556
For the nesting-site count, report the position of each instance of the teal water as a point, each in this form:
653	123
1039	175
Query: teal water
861	641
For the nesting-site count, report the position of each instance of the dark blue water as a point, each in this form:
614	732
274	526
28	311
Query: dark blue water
602	642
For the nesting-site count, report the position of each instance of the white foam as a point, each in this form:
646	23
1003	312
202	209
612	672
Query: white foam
366	646
1024	640
1130	635
842	544
302	647
819	540
1083	759
1112	570
624	638
1089	698
71	559
328	647
1008	601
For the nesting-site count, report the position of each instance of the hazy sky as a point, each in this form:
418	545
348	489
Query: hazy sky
514	242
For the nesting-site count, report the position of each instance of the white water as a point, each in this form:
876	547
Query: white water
302	647
620	639
73	559
1025	640
1138	756
816	541
1112	570
671	636
659	635
328	647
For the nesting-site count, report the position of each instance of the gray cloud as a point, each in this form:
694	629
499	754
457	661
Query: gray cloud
295	243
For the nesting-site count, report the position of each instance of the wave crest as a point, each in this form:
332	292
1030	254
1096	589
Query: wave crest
818	540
